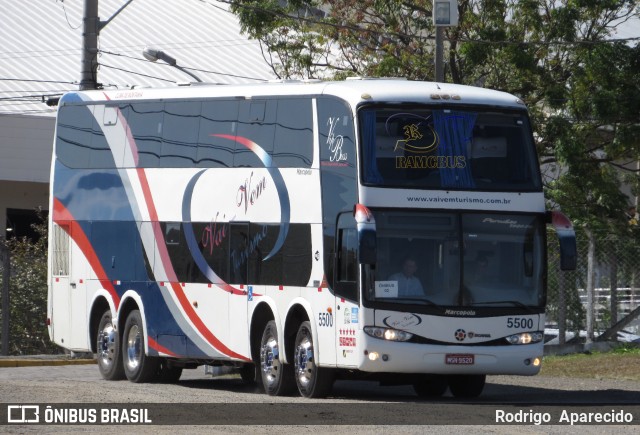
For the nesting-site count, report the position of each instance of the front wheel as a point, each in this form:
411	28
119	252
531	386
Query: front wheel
277	377
108	349
312	381
466	386
138	367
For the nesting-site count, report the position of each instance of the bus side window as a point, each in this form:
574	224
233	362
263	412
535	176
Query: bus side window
256	122
73	136
293	145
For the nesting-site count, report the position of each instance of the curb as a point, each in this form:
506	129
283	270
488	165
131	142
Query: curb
21	362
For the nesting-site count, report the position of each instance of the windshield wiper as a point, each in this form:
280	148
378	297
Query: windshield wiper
420	300
514	303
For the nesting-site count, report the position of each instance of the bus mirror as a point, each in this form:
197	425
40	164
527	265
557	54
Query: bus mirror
566	238
366	223
367	249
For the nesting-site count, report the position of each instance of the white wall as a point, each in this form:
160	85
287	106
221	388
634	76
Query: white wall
25	147
25	160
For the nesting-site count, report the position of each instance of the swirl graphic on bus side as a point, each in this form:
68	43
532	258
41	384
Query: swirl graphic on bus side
285	210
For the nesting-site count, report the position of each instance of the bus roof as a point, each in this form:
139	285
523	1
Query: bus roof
354	91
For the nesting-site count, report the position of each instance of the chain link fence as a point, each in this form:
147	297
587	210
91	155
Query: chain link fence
616	283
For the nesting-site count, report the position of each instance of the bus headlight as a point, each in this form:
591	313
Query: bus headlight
387	333
525	338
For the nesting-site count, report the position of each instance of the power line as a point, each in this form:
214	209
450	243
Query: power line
188	68
13	79
136	73
67	17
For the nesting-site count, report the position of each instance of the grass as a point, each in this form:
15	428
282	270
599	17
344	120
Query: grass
622	363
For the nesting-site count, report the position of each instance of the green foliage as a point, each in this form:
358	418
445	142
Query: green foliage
28	295
583	91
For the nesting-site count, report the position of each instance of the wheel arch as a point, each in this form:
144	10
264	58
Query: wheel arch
132	301
299	311
261	315
102	301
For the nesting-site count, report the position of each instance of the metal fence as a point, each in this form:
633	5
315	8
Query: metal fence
616	288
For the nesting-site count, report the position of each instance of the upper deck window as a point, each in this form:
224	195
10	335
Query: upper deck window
425	148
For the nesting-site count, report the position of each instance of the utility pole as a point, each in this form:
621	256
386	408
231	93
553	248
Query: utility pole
90	31
445	14
439	54
5	259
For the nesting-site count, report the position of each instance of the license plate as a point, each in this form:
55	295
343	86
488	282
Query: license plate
459	359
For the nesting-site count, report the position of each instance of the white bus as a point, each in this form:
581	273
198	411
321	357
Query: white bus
301	232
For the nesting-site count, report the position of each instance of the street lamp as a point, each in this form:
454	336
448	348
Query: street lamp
445	14
153	55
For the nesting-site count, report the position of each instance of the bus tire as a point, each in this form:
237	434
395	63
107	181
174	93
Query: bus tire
108	349
312	381
431	386
466	386
277	377
138	367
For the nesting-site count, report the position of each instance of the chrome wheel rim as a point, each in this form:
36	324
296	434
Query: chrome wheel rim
107	345
304	364
134	347
270	360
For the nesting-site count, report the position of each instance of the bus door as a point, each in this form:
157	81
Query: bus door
68	290
240	254
347	313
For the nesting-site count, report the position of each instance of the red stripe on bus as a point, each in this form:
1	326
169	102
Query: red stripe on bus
171	275
61	215
159	348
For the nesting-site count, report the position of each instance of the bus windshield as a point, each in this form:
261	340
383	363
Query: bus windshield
459	259
423	147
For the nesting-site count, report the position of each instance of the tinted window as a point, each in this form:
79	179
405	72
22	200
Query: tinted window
257	121
288	265
74	133
145	123
218	122
425	148
101	155
294	134
240	252
180	134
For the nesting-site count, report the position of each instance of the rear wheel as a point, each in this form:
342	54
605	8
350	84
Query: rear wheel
466	386
108	349
431	386
312	381
138	367
277	377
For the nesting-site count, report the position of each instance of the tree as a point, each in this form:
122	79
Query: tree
28	294
582	89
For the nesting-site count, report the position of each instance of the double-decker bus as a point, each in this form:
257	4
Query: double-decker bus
301	232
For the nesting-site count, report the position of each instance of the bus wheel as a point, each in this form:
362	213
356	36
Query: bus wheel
431	386
312	381
466	386
277	377
167	373
108	348
137	365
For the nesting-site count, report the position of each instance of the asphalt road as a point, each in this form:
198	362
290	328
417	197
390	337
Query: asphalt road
225	404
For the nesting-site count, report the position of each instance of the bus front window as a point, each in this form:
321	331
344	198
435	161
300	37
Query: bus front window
422	147
455	259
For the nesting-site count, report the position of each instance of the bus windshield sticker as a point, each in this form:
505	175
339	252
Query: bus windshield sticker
386	289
